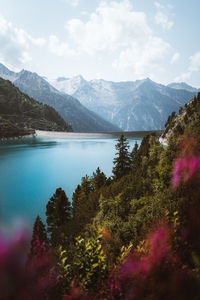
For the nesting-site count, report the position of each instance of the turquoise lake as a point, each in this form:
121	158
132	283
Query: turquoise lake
32	169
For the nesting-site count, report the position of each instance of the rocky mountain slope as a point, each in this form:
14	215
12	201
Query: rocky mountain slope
138	105
188	119
21	115
72	111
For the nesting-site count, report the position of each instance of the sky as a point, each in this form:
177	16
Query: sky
119	40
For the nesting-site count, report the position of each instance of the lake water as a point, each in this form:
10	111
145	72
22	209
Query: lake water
32	169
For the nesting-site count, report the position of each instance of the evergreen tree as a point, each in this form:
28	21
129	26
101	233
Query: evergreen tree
123	161
86	186
59	215
135	161
39	239
98	179
75	201
145	145
81	205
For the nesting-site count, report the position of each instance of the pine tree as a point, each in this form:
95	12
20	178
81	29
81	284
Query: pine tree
82	206
39	239
76	200
59	215
123	161
98	179
135	161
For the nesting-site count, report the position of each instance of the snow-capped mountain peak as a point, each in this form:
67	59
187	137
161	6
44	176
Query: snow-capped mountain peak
137	105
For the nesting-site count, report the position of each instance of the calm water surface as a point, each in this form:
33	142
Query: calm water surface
32	169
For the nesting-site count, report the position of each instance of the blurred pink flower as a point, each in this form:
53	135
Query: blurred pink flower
159	251
159	244
157	274
184	169
76	294
17	279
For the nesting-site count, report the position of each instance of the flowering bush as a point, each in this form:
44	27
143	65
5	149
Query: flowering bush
184	169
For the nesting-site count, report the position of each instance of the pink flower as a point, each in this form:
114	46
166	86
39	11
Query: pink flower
159	245
18	280
184	169
159	251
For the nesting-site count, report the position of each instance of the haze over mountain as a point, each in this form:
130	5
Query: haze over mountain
183	86
138	105
72	111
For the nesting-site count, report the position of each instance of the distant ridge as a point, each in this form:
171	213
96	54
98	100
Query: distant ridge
132	105
72	111
183	86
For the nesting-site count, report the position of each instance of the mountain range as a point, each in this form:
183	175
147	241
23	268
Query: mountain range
99	105
131	105
71	110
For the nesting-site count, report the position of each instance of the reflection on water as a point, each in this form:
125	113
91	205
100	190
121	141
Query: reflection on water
20	145
32	169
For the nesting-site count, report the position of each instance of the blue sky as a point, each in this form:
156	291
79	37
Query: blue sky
115	40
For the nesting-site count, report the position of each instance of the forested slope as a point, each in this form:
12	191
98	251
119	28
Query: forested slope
21	115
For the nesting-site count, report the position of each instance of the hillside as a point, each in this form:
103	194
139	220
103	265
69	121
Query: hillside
138	230
21	115
188	118
72	111
137	105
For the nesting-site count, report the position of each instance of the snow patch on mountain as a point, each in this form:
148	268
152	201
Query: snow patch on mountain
132	105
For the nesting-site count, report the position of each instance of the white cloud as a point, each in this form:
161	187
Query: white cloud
175	57
163	20
194	66
84	12
73	3
144	58
60	48
117	29
195	62
159	5
162	16
111	26
37	42
15	44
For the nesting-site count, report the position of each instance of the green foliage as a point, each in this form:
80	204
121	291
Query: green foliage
187	120
98	179
123	160
82	209
65	268
59	215
21	115
135	157
85	199
39	241
90	262
88	268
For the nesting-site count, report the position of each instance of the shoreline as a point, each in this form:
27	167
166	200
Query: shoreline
71	135
15	138
82	135
91	135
